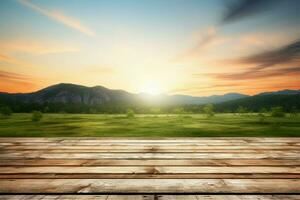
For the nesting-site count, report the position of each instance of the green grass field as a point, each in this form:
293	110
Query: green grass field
65	125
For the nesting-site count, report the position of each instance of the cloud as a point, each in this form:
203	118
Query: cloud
59	17
286	54
12	60
6	58
14	82
257	74
206	40
14	76
240	9
245	8
35	47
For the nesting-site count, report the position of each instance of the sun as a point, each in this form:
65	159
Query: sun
151	88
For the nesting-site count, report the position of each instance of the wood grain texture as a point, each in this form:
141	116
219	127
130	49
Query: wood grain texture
149	197
149	185
150	166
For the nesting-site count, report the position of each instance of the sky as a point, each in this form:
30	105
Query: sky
192	47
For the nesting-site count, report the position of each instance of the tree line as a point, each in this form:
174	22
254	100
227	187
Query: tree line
209	109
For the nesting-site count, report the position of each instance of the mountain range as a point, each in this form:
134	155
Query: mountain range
65	93
78	94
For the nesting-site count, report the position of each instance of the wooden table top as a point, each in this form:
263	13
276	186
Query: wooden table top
141	168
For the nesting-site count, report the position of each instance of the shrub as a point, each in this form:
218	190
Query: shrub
277	112
241	110
178	111
5	111
263	110
129	113
261	118
294	112
209	110
36	116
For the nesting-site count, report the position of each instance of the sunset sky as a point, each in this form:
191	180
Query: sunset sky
193	47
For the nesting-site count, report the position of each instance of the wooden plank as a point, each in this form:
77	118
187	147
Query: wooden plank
147	147
151	170
150	185
266	155
149	162
149	176
54	197
254	151
150	197
77	197
188	165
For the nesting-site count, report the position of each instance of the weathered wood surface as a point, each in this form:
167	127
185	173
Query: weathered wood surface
149	197
150	166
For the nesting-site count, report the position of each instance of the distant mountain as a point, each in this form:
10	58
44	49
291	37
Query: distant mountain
185	99
283	92
71	93
73	98
77	94
287	100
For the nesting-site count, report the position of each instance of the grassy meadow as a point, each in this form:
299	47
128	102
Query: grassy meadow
194	125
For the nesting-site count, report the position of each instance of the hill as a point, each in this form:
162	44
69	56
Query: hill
260	101
65	93
71	93
73	98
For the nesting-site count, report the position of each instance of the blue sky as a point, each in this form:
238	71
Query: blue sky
169	46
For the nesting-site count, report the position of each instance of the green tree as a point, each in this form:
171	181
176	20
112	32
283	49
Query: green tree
36	116
209	110
241	110
5	111
277	112
129	113
263	110
294	111
178	110
261	118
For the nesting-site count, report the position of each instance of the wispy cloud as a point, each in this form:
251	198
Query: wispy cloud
245	8
35	47
257	74
205	40
240	9
9	59
285	54
14	82
59	17
14	76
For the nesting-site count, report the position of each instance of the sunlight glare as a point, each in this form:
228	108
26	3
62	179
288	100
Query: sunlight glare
151	88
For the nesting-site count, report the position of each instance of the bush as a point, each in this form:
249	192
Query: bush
178	111
294	112
261	118
36	116
129	113
209	110
277	112
241	110
5	111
